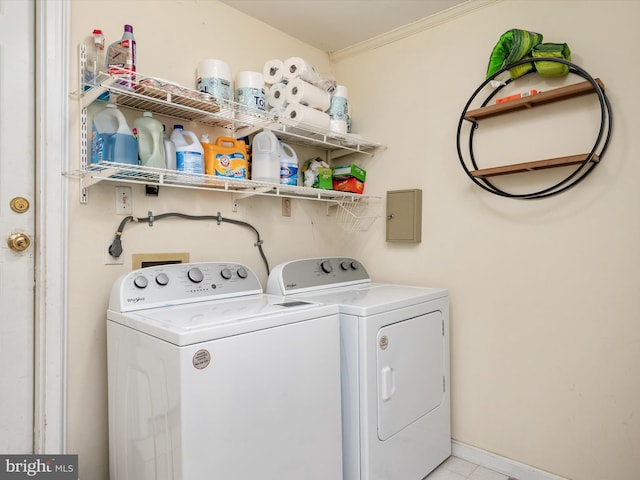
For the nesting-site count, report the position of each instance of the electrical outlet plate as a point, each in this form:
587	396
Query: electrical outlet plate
108	259
286	207
124	204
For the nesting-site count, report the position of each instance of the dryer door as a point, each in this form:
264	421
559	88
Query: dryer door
410	363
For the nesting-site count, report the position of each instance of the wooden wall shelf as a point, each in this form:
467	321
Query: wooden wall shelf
542	98
532	166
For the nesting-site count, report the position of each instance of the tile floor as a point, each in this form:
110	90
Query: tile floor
457	469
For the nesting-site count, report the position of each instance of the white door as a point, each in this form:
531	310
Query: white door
17	92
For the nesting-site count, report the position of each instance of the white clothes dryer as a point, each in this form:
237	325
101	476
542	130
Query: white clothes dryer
211	378
395	366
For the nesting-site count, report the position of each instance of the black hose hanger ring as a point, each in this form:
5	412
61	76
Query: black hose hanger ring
582	169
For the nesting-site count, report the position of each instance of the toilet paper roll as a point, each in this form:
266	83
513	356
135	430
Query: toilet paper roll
299	91
296	67
277	95
298	114
214	77
339	109
338	126
273	71
341	91
250	89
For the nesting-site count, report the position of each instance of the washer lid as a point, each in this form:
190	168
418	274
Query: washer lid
374	298
199	322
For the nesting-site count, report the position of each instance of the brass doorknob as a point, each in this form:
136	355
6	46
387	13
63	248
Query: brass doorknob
18	242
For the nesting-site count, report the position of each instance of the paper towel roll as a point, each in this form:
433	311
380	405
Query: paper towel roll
272	71
296	67
299	91
214	77
298	114
277	95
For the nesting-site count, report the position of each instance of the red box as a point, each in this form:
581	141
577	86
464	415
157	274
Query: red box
350	184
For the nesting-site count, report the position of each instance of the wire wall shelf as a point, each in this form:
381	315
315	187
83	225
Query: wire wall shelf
123	173
169	99
136	91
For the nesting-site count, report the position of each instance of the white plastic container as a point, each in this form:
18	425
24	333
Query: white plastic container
111	138
189	154
265	152
169	150
288	165
121	58
150	141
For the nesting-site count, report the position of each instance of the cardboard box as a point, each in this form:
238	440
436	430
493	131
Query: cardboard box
352	170
324	179
350	184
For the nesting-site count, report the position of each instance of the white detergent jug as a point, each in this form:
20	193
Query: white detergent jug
265	154
189	154
288	165
111	138
150	141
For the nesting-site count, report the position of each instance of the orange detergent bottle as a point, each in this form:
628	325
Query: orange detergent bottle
227	157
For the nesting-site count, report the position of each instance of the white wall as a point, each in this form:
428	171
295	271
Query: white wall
545	324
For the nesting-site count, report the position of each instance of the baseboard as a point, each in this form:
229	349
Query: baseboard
504	465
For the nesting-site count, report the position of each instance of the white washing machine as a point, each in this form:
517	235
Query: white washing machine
211	378
395	366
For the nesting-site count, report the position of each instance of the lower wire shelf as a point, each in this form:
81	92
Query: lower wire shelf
355	212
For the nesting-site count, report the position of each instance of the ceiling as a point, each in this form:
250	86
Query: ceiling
332	25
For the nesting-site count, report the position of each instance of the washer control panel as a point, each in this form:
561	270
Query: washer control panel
315	273
176	284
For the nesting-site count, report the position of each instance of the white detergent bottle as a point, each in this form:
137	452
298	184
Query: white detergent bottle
288	165
150	141
169	150
111	138
265	154
189	154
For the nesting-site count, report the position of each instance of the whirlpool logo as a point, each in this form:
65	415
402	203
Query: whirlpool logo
58	467
135	300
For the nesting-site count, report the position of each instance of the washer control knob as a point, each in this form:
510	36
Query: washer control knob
162	279
195	275
225	273
140	281
344	265
355	265
326	266
242	272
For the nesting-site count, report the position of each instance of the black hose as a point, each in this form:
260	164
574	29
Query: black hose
115	249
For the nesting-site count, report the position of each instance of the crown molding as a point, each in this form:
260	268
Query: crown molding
410	29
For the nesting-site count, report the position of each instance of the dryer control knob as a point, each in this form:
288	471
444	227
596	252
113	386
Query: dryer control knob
242	272
326	266
355	265
195	275
162	279
225	273
141	282
344	265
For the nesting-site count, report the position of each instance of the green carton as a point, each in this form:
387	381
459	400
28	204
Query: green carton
352	170
324	179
